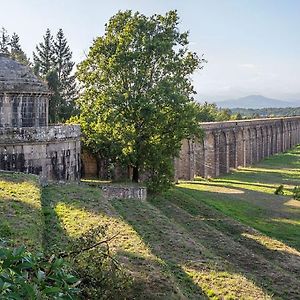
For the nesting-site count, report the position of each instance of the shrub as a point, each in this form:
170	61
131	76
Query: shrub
101	274
296	192
24	275
279	190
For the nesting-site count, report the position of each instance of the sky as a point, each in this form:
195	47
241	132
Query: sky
252	46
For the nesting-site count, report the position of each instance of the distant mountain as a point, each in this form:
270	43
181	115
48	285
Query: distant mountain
256	101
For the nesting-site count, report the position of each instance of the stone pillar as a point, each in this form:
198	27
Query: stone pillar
210	155
240	149
231	158
248	146
199	158
223	153
191	162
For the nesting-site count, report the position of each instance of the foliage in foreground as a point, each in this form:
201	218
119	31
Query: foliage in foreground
24	275
137	104
102	276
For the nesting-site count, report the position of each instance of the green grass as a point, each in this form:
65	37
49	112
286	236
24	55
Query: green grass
224	238
20	210
247	195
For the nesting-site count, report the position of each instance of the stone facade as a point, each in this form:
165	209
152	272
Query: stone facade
228	145
27	143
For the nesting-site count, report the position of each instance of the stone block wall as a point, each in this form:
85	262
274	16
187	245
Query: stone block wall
228	145
23	110
51	152
124	192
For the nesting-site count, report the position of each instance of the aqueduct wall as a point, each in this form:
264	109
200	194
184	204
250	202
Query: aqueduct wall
228	145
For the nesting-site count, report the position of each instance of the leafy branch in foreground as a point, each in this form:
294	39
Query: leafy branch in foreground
24	275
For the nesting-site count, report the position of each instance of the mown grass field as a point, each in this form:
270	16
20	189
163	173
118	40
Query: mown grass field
226	238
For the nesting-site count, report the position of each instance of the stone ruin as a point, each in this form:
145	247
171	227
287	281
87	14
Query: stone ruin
27	143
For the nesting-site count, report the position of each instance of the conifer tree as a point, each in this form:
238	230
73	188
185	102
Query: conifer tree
53	62
4	41
16	51
43	57
64	66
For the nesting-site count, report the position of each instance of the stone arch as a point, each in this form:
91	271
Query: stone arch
231	149
240	148
223	163
210	156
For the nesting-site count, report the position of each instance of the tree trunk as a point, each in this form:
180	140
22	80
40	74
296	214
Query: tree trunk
135	174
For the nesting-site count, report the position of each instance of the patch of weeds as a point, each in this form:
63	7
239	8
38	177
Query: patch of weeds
296	193
5	229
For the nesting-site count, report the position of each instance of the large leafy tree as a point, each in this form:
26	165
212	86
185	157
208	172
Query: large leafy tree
53	62
137	104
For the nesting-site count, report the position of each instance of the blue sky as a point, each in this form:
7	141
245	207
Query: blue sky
252	46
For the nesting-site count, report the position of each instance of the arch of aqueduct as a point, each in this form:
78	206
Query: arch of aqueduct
228	145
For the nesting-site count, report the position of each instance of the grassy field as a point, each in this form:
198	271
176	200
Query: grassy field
226	238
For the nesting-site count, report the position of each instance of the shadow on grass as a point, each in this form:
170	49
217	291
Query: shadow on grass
274	270
147	284
177	247
256	209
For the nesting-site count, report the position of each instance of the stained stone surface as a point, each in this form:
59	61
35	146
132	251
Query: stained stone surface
27	143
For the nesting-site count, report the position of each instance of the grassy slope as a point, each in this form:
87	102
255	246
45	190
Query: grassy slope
227	238
21	219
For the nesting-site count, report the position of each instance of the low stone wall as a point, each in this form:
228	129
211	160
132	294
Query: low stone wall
52	152
124	192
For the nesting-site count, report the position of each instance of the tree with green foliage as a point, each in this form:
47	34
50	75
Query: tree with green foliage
64	65
4	41
137	104
53	62
16	51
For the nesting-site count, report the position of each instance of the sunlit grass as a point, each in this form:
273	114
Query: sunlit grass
20	210
255	203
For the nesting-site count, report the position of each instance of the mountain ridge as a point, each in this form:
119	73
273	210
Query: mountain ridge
256	101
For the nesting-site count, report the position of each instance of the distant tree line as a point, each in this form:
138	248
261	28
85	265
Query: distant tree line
251	113
52	62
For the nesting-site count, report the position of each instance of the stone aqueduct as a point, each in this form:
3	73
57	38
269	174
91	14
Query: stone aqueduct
228	145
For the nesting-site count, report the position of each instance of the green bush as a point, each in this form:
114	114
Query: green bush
24	275
296	192
279	190
102	276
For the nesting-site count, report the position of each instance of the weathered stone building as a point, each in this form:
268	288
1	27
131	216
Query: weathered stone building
27	143
228	145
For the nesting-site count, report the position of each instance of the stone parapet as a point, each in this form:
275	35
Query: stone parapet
37	135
